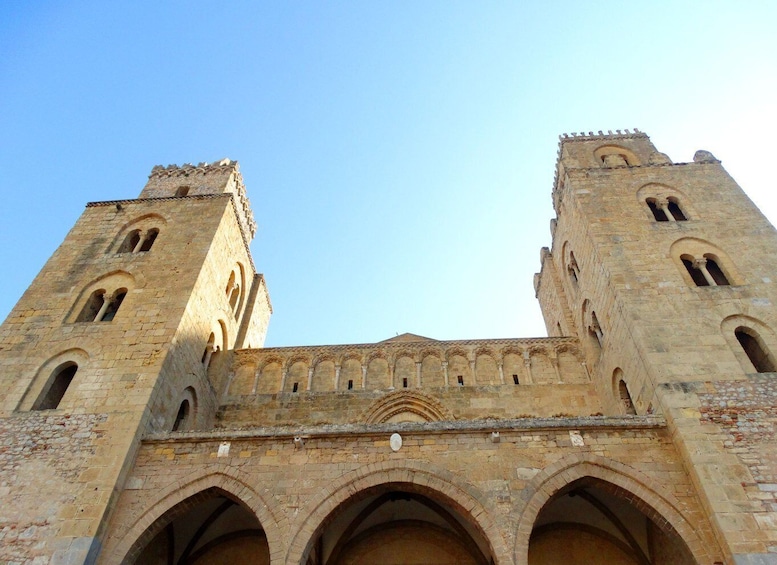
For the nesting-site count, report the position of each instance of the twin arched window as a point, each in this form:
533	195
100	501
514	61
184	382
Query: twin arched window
666	209
705	271
101	306
234	289
138	241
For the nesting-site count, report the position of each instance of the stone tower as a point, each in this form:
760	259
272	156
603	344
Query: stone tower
111	341
665	273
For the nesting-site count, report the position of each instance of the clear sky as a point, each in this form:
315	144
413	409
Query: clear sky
399	156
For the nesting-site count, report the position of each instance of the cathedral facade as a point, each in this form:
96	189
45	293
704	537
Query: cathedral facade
142	420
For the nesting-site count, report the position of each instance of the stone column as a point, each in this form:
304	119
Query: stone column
527	367
663	204
701	264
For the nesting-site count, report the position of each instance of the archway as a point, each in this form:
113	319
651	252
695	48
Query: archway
398	515
208	528
605	511
396	524
592	521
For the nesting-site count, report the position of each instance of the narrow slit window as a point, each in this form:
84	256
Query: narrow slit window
628	405
716	272
404	383
56	387
350	384
206	354
460	380
515	380
295	388
757	353
676	211
181	419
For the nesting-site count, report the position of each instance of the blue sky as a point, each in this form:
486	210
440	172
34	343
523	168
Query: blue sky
399	156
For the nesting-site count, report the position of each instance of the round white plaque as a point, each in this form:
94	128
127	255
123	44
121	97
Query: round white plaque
395	442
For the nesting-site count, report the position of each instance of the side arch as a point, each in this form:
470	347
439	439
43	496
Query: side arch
228	481
645	493
434	482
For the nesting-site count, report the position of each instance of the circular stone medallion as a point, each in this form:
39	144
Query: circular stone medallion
395	442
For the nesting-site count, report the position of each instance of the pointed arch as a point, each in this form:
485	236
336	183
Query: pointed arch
437	484
226	480
646	494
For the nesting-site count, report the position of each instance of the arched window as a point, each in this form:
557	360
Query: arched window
705	271
130	242
206	355
625	397
675	211
233	298
56	387
658	213
149	239
182	191
182	416
93	306
137	241
572	267
755	349
666	209
595	330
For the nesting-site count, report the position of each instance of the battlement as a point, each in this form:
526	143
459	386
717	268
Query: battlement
205	178
599	135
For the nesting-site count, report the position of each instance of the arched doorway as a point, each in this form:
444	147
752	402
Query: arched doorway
593	521
210	527
398	524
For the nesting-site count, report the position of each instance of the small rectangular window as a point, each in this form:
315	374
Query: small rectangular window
296	387
515	379
350	385
404	383
461	380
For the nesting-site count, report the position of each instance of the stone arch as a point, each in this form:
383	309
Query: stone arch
690	248
424	407
142	223
404	370
229	481
437	484
665	192
108	286
486	367
616	156
765	338
73	356
431	368
646	494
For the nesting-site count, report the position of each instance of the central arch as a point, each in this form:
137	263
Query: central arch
369	487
